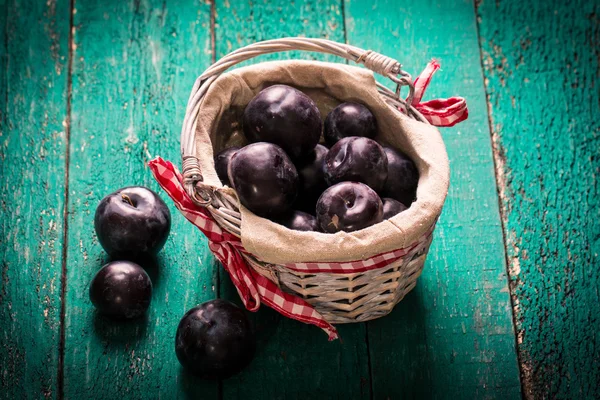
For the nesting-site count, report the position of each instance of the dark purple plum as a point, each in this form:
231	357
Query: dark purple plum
283	116
392	207
300	221
132	222
121	290
222	163
265	179
356	159
403	177
215	340
312	179
349	119
348	206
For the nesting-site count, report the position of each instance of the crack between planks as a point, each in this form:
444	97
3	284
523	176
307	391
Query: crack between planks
213	47
344	27
5	111
343	11
500	189
63	277
369	367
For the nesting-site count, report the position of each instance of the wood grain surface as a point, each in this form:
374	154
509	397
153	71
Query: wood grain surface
452	337
133	66
32	189
542	68
91	91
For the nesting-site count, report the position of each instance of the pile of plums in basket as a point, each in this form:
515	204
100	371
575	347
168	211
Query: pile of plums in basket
214	339
346	184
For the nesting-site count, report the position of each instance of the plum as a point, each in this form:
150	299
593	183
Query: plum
215	340
121	290
312	179
222	163
348	206
300	221
265	179
392	207
283	116
132	222
403	177
349	119
356	159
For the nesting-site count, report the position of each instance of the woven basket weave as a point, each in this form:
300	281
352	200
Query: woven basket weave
339	297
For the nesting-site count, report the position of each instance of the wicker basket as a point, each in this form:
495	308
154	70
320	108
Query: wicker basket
339	297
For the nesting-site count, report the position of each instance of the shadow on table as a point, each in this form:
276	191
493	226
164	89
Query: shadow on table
400	361
119	332
265	321
195	388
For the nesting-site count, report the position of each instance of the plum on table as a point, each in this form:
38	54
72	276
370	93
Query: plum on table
132	222
215	340
121	290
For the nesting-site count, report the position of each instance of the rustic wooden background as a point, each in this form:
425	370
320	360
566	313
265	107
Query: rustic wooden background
509	302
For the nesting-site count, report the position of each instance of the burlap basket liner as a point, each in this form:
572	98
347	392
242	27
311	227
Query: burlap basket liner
328	84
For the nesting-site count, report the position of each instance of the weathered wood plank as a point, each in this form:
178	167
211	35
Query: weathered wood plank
32	176
294	361
134	65
541	66
452	337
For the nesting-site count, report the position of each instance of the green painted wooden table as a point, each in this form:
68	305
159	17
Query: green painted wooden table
508	304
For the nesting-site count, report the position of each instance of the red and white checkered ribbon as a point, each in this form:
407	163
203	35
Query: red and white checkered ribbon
439	112
350	267
252	287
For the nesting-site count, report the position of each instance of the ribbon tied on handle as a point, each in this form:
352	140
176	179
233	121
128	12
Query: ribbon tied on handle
439	112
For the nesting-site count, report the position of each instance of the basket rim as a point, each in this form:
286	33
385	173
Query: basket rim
225	207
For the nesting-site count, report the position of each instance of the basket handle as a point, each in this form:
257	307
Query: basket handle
192	175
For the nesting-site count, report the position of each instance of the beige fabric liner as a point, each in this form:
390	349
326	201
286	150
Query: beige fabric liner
328	84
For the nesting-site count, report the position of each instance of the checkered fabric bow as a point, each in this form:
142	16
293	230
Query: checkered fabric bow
252	287
439	112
